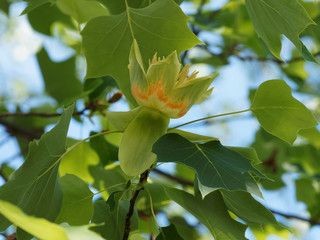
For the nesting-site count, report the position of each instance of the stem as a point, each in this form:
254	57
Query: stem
143	178
214	116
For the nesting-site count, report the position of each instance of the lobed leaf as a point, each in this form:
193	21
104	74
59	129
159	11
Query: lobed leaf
211	212
279	112
272	18
35	186
161	27
217	166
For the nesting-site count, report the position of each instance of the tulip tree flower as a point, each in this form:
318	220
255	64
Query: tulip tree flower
164	91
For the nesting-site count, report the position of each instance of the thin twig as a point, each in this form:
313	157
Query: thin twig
143	178
311	221
174	178
93	106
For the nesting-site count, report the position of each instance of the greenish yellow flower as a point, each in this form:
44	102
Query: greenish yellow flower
164	91
165	87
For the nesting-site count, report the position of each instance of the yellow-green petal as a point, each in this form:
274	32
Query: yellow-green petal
135	154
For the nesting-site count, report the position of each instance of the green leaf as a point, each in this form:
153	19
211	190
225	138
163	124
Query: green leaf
192	137
60	79
306	191
76	195
112	217
108	153
35	186
82	10
78	162
121	120
39	227
272	18
248	153
81	233
279	113
119	6
186	231
42	18
247	208
161	27
169	233
43	229
312	135
217	167
211	212
108	179
4	6
34	4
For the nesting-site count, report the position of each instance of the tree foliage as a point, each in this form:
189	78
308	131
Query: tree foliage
76	188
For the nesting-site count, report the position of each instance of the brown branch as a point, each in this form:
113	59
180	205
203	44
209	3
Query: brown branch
174	178
93	106
143	178
311	221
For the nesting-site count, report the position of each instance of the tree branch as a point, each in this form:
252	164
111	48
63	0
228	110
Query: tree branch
174	178
93	106
311	221
143	178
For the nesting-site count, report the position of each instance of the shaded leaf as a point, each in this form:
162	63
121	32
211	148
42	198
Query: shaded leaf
60	79
247	208
216	166
169	233
108	153
112	214
35	186
33	4
286	17
211	212
42	18
108	179
77	207
279	113
160	27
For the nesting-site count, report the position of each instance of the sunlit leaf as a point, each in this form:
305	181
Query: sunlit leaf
160	27
35	186
82	10
39	227
78	162
42	228
279	113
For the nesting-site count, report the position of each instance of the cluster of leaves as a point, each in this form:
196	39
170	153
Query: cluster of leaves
52	195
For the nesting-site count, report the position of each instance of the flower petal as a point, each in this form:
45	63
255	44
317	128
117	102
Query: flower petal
194	91
136	69
164	72
135	154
